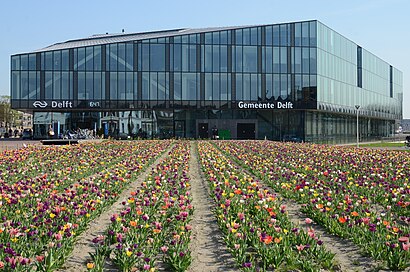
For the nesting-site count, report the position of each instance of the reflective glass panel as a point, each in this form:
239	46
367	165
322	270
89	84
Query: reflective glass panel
157	57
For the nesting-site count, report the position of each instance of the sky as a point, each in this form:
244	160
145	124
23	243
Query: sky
379	26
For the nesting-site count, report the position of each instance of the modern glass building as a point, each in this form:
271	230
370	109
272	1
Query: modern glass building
299	80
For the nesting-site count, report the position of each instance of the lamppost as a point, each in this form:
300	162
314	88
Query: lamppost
357	124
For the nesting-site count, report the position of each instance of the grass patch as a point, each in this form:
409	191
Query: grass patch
383	145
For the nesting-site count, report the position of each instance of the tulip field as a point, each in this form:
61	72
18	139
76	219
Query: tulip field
50	195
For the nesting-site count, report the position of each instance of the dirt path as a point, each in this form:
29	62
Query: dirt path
80	255
209	252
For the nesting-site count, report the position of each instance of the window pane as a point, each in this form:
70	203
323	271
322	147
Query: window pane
113	86
215	58
215	88
276	35
32	62
208	58
24	62
312	33
224	37
254	36
284	35
24	85
189	86
313	68
268	60
238	36
112	59
246	36
80	59
97	58
157	57
65	60
162	87
239	92
145	57
208	38
298	34
276	86
49	61
177	86
177	57
276	60
121	57
97	86
269	86
129	81
238	58
284	86
33	85
185	57
305	34
145	86
135	86
49	84
224	87
56	85
255	87
298	60
215	36
65	86
89	65
121	86
283	60
153	92
15	85
246	86
192	58
208	86
130	57
224	58
268	35
250	59
15	63
305	60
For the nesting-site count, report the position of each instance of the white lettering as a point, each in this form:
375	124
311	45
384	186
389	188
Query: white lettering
61	105
243	105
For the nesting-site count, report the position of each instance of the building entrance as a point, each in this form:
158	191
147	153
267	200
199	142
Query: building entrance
245	131
179	128
203	130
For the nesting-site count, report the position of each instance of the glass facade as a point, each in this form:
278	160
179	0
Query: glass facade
270	81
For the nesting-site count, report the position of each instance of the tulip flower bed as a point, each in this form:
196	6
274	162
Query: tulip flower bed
361	195
43	213
257	229
154	221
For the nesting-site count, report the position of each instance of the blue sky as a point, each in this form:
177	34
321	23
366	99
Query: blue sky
380	26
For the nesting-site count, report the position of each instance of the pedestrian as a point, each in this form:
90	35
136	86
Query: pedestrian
50	132
215	133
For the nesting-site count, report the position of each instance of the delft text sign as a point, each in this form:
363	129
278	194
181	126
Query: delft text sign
53	104
265	105
65	104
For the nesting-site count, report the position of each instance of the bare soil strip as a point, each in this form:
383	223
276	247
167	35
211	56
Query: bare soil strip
80	255
208	250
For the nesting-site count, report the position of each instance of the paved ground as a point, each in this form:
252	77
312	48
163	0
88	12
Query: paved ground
14	143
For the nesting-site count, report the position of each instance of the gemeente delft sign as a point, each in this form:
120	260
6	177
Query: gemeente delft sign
265	105
61	104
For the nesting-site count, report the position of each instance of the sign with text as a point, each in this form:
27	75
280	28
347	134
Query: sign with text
265	105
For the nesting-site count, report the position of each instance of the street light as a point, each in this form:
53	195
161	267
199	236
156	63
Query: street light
357	124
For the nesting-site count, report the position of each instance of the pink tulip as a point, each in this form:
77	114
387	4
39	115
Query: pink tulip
308	221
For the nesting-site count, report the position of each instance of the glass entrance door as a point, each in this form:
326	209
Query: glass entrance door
179	129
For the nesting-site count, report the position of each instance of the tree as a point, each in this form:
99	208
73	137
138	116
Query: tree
8	117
